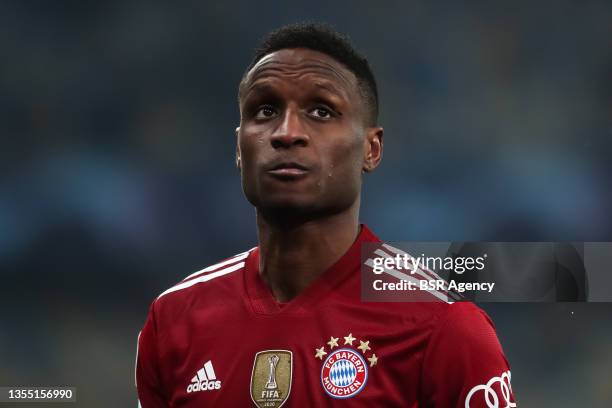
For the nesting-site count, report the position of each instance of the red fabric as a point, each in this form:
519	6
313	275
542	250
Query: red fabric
430	354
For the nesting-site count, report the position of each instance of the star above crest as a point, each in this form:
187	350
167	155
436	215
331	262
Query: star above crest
349	339
320	352
333	342
364	346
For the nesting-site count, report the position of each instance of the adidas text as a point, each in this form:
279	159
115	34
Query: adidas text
204	386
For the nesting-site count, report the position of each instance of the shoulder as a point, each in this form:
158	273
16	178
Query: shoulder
463	358
464	328
467	319
211	277
462	320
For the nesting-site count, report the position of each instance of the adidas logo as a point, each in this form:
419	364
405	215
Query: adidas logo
204	380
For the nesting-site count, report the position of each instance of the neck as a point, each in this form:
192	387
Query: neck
291	256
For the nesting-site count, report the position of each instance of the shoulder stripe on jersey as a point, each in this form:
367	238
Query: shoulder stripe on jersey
136	362
205	278
235	258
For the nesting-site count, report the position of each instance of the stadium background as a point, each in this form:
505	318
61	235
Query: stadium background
117	169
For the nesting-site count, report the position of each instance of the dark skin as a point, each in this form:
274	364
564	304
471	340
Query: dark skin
304	143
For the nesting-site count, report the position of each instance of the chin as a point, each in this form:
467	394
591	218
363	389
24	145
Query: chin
286	206
287	209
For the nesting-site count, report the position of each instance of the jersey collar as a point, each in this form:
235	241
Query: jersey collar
261	300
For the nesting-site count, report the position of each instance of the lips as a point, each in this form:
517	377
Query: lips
288	170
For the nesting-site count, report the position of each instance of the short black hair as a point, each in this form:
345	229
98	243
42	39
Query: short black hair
323	38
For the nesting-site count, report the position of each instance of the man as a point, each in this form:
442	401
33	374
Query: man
283	323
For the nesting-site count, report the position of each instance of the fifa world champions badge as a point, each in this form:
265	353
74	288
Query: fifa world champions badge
344	372
271	378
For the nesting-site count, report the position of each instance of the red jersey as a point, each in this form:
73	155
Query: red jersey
220	339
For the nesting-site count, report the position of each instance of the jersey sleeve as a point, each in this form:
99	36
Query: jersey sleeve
464	365
148	381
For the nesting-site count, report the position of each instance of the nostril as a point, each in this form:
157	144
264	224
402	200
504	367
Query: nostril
277	144
287	141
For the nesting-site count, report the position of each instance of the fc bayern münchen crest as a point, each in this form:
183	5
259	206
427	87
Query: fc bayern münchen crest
271	378
345	372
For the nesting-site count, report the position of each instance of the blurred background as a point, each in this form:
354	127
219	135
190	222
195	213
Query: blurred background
117	174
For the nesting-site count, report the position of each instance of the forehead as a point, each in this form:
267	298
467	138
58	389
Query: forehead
300	63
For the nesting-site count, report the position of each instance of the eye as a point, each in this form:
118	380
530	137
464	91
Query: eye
322	112
265	112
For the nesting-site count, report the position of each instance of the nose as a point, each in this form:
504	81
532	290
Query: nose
290	131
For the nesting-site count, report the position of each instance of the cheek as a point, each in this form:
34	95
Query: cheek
347	156
248	166
344	165
248	151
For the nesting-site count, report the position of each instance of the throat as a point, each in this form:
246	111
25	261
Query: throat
291	260
287	286
288	270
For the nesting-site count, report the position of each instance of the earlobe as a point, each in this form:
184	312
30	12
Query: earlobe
373	149
366	164
238	161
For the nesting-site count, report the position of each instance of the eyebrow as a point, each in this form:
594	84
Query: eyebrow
258	87
266	86
329	87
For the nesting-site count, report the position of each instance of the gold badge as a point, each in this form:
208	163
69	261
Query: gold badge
271	378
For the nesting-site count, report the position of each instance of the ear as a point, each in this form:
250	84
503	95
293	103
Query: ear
238	159
372	148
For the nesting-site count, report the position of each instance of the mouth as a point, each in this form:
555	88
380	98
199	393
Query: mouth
288	170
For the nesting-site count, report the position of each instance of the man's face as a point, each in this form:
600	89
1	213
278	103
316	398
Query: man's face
302	138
